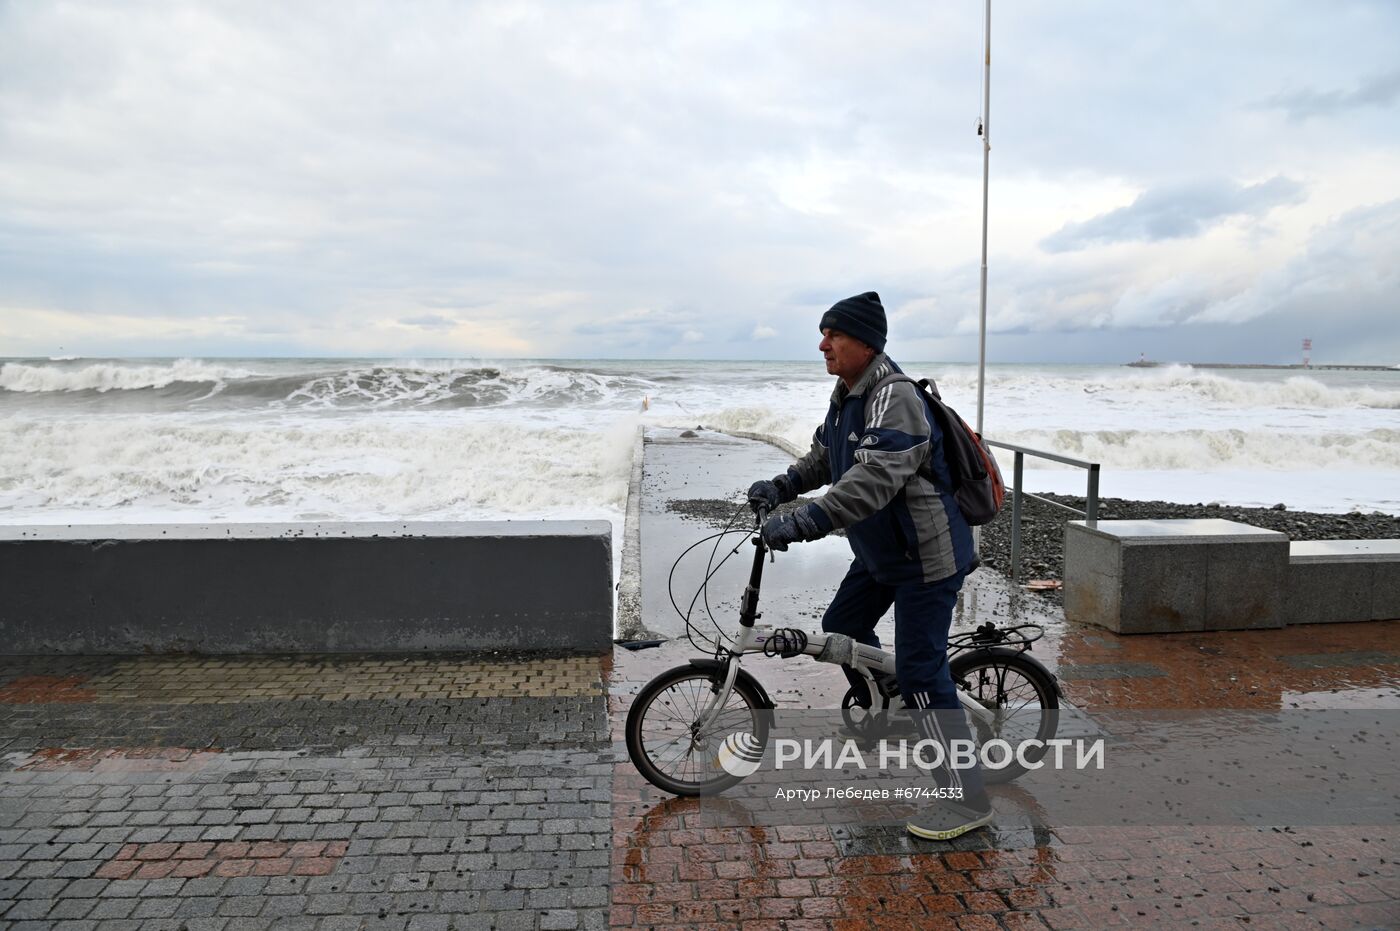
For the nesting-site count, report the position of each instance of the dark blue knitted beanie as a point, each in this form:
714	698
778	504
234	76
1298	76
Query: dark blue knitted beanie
862	316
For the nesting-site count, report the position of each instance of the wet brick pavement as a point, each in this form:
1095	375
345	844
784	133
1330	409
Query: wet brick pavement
275	793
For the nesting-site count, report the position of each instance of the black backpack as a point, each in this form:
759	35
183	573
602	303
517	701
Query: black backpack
977	484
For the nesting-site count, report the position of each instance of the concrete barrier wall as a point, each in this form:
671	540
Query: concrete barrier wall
330	587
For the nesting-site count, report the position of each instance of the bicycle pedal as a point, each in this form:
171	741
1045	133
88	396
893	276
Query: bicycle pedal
864	741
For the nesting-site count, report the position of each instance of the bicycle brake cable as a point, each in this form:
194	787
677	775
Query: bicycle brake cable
711	569
706	586
722	639
691	631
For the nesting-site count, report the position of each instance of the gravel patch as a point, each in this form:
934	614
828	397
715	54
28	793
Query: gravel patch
717	513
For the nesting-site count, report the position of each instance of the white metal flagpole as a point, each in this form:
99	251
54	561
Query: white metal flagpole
986	132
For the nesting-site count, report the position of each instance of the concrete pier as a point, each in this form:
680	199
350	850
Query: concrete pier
328	587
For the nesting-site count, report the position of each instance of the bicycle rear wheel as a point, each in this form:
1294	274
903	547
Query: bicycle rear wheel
1022	697
672	751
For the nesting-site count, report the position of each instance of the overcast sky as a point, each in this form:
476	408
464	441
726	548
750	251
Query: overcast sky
1192	180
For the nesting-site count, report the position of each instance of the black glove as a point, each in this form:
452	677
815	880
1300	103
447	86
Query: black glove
797	527
771	494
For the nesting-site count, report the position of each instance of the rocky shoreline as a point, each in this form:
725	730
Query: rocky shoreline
1043	526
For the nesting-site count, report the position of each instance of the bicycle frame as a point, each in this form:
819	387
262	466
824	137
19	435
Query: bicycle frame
866	660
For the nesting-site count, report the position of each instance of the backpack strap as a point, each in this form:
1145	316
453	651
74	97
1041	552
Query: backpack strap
926	467
921	383
875	389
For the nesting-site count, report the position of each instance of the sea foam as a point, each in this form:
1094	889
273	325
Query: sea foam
329	468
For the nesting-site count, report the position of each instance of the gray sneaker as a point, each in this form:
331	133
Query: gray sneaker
948	820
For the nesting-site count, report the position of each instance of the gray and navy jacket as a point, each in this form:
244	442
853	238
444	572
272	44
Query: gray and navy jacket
902	527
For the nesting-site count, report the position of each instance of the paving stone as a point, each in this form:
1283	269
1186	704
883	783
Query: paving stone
430	923
497	900
328	904
242	906
198	907
286	905
70	909
244	886
156	908
205	924
510	921
559	920
42	889
548	898
294	923
113	908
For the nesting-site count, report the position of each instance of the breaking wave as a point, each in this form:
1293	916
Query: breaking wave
1293	391
190	381
112	376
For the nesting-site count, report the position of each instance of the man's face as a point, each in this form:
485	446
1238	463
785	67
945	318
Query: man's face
846	357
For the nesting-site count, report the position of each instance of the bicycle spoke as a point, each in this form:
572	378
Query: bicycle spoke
683	749
696	703
667	730
671	714
1014	698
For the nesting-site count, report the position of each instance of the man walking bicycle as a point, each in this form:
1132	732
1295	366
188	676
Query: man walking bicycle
881	452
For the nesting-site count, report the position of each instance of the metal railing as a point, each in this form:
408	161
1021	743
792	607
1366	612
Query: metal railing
1091	499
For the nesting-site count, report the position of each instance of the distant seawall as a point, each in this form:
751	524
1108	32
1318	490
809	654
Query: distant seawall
1297	366
327	587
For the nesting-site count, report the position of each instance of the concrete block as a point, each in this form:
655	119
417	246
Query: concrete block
1320	593
1160	576
329	587
1385	592
1092	561
1246	583
1344	580
1163	588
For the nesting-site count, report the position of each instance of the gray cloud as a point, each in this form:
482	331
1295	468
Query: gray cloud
1379	91
429	321
646	330
1175	212
1342	290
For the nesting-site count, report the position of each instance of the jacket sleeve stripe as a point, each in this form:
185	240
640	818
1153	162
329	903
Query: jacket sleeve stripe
881	405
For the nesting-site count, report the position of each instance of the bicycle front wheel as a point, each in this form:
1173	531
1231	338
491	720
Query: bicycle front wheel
670	748
1022	700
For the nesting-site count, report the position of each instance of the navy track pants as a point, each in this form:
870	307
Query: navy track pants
923	614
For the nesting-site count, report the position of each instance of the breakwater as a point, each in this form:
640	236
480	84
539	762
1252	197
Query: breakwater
1296	366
